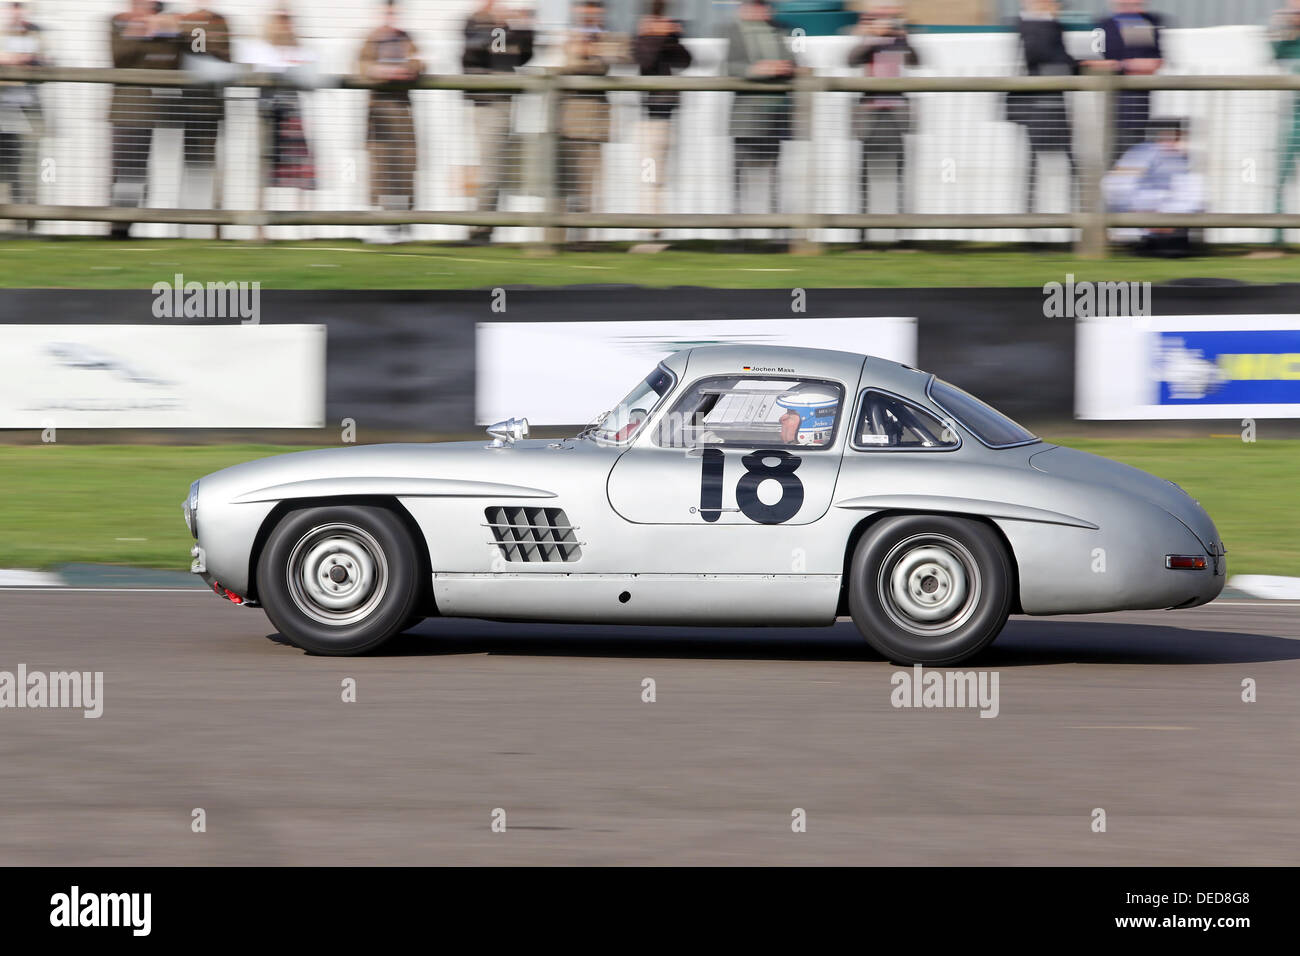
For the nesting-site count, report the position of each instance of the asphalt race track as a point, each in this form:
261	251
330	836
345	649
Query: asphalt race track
205	707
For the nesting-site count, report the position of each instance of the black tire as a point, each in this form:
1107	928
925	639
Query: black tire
340	579
930	589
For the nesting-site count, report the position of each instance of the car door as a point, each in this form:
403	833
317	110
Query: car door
736	449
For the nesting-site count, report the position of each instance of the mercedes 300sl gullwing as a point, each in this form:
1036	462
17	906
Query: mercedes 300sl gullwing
732	486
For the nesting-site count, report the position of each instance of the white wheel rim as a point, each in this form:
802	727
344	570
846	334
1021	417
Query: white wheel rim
929	584
337	574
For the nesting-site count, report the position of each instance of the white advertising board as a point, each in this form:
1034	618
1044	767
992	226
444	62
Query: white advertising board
162	376
1188	367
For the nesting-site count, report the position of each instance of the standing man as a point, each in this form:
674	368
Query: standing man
21	121
1284	31
1044	115
1131	47
389	56
584	117
759	121
494	43
141	38
205	48
659	52
883	119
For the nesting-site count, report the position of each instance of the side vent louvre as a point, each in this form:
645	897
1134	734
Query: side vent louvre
533	534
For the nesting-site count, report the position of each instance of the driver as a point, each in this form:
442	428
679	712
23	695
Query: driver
790	422
634	420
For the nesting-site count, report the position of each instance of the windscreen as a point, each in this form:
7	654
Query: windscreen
627	416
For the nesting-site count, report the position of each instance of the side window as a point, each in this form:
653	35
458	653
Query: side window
886	421
750	411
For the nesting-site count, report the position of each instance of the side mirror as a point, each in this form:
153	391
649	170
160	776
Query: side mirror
508	432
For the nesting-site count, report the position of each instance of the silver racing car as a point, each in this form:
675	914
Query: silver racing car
734	485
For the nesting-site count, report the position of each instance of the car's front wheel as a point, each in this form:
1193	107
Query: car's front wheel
930	589
339	579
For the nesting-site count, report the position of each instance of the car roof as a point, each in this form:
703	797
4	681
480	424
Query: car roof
771	360
895	377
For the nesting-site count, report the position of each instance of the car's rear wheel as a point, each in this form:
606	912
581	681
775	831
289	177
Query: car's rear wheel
930	589
339	579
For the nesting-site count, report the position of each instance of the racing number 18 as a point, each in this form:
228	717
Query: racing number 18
713	461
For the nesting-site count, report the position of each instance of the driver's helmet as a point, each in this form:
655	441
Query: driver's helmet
816	406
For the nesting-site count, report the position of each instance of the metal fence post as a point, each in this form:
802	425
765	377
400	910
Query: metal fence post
804	222
1093	243
262	141
544	172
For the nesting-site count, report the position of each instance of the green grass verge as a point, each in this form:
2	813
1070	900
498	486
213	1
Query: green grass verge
121	504
345	264
106	504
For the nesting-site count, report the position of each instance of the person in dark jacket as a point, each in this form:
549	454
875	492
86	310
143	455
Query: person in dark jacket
1044	115
143	37
882	120
389	55
205	45
659	52
756	50
1131	39
496	41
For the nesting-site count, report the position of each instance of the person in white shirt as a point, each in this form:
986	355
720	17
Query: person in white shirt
288	161
1157	176
21	121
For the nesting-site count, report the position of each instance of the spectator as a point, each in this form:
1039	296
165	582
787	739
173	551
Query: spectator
1044	115
389	56
494	43
659	52
205	49
288	161
882	120
144	37
584	117
1157	176
759	121
1285	34
1131	46
21	122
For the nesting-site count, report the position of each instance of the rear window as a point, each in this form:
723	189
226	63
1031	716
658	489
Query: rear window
886	421
983	421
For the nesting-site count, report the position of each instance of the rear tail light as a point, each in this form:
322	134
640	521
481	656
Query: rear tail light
1185	562
226	593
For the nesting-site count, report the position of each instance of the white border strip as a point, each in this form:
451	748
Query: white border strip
1269	587
109	590
31	579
